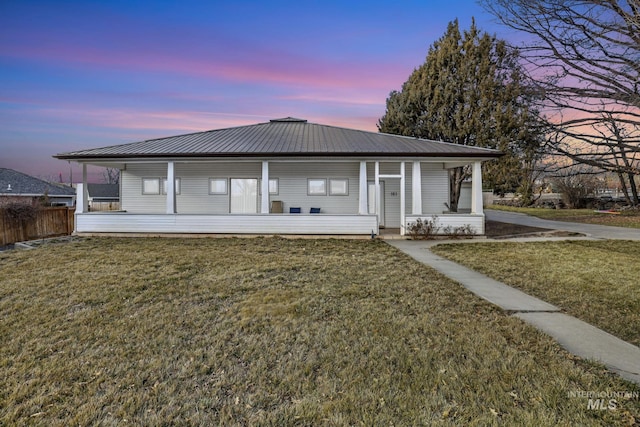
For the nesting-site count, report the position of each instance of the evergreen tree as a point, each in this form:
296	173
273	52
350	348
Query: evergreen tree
469	91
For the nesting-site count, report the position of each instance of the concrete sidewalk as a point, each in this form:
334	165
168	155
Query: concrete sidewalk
576	336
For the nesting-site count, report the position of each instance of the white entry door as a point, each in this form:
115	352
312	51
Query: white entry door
244	195
371	200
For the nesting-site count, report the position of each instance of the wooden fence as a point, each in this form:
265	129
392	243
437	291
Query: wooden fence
48	222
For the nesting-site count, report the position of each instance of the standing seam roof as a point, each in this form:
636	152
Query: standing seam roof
284	137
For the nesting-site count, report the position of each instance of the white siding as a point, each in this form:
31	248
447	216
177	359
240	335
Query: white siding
391	190
292	180
435	188
464	204
194	194
131	198
224	224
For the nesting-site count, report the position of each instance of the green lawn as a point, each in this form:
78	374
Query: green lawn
588	216
596	281
271	331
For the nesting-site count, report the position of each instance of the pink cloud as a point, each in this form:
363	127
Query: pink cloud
255	66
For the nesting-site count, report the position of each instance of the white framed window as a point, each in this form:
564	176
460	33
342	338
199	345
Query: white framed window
339	187
150	185
218	186
316	187
273	186
164	186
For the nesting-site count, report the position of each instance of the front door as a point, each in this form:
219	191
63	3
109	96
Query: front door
371	200
244	195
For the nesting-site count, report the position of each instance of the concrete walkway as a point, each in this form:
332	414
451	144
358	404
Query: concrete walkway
574	335
591	230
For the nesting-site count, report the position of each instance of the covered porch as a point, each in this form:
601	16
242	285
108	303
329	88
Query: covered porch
369	195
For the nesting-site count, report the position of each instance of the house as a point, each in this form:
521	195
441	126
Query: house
17	187
268	178
103	197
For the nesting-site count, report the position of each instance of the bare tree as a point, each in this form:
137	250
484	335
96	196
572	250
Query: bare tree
583	58
111	175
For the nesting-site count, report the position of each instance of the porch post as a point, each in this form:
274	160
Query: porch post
416	189
402	200
476	189
171	188
82	194
363	205
85	189
377	185
264	184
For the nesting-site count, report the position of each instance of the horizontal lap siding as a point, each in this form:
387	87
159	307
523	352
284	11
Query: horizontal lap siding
434	182
194	194
131	198
292	181
435	188
292	178
242	224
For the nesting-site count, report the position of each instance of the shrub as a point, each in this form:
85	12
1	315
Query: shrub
428	229
423	230
20	212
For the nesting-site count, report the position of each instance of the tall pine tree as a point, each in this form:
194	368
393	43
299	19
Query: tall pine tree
469	91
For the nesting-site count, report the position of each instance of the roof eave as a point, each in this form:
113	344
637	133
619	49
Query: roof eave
489	154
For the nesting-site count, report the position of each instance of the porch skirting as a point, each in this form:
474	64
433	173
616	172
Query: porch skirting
123	222
452	220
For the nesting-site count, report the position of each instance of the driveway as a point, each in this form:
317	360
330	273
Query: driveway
591	230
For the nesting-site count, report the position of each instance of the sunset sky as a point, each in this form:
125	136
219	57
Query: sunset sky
84	74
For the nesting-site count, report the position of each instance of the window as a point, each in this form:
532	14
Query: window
273	186
217	185
317	187
150	185
164	186
339	187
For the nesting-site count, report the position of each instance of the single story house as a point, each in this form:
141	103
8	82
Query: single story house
17	187
286	176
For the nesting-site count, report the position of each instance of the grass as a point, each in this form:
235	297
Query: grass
271	331
596	281
629	219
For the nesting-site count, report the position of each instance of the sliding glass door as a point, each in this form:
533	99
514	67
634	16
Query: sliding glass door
244	195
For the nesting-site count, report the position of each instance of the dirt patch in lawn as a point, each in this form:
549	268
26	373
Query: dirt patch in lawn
505	230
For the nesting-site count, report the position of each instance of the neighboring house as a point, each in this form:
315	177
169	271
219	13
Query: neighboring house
253	179
21	188
103	197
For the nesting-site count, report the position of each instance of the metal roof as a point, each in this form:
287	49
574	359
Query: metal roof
17	183
282	138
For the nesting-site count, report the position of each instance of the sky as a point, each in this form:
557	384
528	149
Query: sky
86	74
